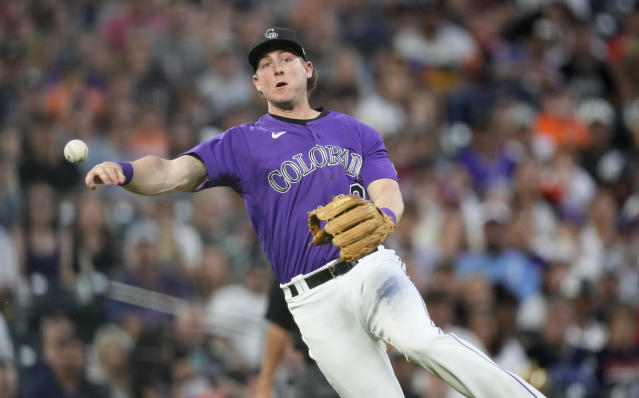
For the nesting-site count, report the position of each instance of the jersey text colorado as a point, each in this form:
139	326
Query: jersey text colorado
301	165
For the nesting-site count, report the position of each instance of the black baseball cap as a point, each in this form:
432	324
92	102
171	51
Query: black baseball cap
275	38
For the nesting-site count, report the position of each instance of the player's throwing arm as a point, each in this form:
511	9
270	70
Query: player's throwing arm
150	175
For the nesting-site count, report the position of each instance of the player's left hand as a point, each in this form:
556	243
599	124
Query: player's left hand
353	224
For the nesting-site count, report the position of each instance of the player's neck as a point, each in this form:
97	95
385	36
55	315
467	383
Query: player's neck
302	112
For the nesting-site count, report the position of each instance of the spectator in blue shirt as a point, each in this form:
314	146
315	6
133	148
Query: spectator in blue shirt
497	262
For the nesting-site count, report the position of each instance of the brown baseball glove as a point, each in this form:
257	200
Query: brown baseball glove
353	224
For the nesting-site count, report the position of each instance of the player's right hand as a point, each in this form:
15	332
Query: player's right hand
107	173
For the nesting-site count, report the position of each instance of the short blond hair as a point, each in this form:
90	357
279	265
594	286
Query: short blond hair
311	83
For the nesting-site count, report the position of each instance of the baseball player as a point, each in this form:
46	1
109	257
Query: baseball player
288	163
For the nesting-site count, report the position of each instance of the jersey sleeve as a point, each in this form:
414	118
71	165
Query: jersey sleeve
376	163
222	156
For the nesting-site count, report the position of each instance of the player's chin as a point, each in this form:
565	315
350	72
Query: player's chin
282	97
283	103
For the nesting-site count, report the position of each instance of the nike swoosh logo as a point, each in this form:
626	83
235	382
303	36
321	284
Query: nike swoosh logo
276	134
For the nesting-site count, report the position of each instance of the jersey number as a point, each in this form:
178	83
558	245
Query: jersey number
358	190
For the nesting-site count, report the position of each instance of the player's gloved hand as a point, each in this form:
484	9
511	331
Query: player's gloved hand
353	224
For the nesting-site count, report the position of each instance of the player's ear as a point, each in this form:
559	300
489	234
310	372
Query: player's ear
309	69
257	84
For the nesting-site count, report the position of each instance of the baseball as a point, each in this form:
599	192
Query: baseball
76	151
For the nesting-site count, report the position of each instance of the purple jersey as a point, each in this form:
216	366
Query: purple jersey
285	168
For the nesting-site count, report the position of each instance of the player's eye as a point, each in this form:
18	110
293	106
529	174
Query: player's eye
288	59
265	65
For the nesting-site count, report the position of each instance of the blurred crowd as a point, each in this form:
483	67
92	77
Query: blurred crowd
513	125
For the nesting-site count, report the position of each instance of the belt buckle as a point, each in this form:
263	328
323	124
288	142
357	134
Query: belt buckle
331	270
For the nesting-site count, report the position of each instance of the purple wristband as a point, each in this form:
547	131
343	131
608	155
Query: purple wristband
390	213
127	170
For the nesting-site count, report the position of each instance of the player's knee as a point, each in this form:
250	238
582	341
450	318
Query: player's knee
416	345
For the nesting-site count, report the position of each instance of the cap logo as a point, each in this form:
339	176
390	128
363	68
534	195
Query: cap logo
271	34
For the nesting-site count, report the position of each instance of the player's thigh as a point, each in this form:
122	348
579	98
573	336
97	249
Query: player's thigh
353	361
393	308
355	365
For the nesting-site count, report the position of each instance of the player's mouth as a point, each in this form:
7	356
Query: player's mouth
281	84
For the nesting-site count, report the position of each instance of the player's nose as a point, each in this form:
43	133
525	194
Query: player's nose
278	68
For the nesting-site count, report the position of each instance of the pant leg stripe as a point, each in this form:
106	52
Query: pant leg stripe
493	363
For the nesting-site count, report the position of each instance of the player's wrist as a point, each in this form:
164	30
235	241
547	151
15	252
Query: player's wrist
127	170
389	213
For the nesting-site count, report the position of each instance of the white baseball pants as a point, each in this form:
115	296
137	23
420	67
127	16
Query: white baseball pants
344	322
